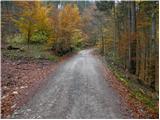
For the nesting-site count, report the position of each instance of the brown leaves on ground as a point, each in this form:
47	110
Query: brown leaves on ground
138	109
20	79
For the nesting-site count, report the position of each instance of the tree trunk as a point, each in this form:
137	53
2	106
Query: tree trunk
153	51
114	33
133	40
138	55
29	36
101	28
129	41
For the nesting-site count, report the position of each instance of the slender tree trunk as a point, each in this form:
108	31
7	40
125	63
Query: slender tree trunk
29	35
153	51
145	58
102	39
114	33
129	41
28	39
157	69
138	56
133	41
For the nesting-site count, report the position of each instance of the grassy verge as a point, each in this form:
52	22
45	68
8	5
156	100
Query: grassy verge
18	49
137	91
35	51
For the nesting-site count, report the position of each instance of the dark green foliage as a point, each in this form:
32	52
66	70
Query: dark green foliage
105	5
39	37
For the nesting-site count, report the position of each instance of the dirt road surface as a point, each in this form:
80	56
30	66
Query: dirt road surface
76	90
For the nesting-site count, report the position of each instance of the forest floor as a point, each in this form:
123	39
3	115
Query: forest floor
76	87
22	77
143	102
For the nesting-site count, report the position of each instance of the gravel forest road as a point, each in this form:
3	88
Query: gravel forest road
77	89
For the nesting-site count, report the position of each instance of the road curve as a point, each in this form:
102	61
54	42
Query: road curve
77	90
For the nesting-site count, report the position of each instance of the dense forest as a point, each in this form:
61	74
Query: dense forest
124	33
134	42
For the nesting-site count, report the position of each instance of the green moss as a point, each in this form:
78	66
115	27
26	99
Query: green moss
52	58
144	98
119	75
139	94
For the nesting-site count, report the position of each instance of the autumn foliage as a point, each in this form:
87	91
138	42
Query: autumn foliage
59	29
66	27
133	41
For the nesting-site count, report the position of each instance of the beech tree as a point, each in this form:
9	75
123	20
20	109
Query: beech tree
33	18
26	22
68	25
136	39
